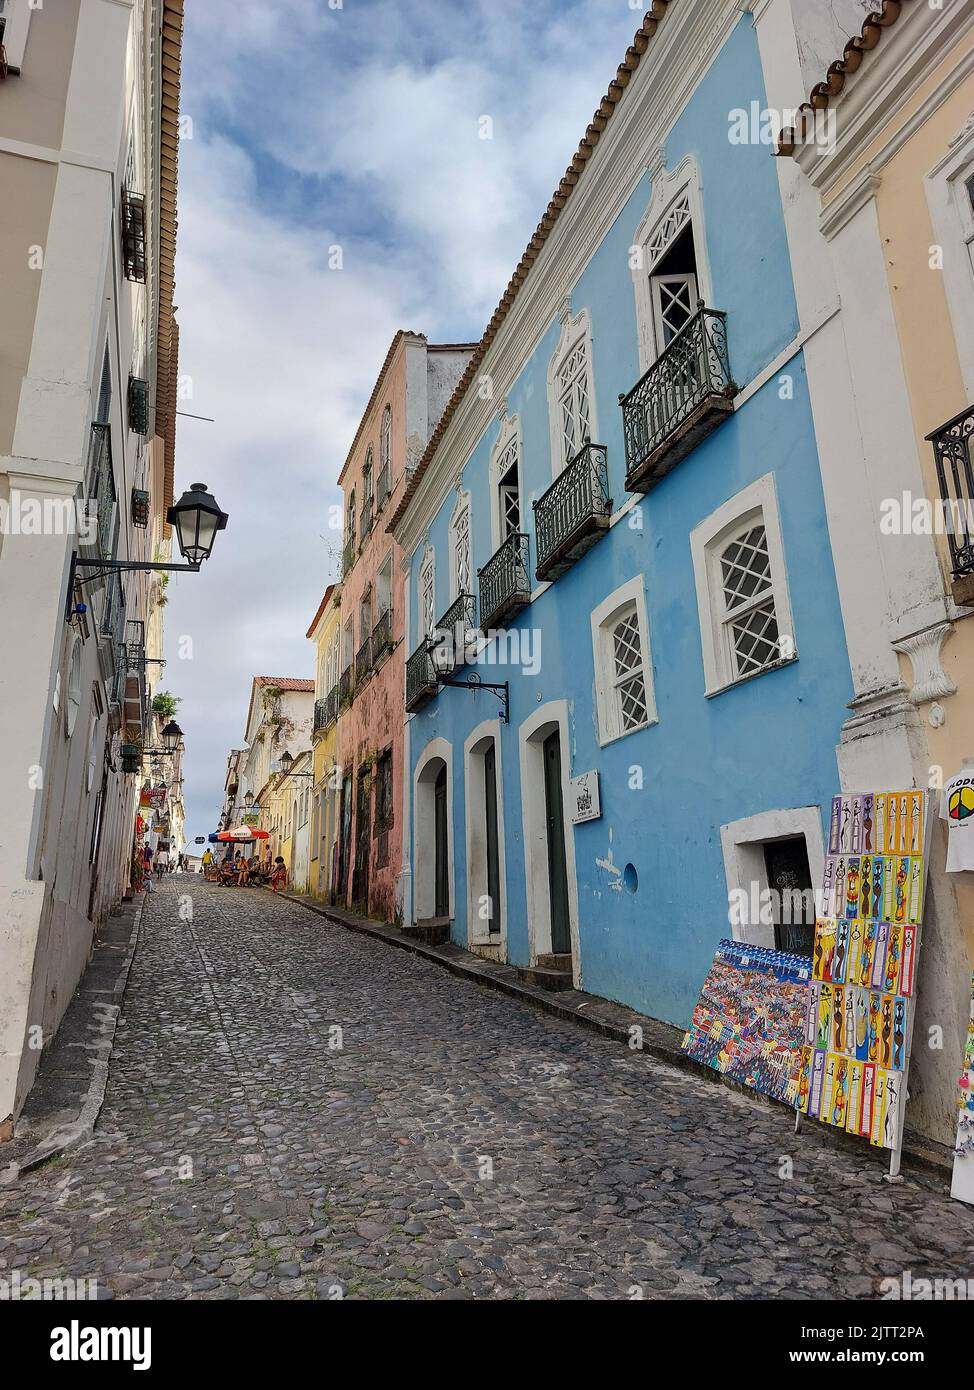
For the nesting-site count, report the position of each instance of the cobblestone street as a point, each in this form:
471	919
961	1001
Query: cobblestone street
455	1144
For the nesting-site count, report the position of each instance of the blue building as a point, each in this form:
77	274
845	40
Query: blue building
624	500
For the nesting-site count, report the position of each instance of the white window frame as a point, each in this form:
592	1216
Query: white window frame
385	441
629	596
462	513
574	331
383	588
668	189
474	749
508	435
427	580
757	503
742	843
72	698
953	226
17	13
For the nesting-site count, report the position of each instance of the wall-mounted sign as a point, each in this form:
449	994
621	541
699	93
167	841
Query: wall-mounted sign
583	797
200	840
153	796
251	817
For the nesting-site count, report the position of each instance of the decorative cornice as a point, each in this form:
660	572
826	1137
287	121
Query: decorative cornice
930	680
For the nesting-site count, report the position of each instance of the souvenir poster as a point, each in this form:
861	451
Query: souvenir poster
857	1020
753	1017
962	1185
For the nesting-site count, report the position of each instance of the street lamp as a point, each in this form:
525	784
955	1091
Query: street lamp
171	735
196	518
249	800
442	652
286	762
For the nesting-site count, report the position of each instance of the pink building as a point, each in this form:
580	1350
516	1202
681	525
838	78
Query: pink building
413	387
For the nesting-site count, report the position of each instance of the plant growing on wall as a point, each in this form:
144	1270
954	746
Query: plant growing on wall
164	706
278	725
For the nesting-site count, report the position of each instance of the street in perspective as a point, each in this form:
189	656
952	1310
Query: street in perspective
507	833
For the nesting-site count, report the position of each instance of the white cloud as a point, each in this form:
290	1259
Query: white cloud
358	127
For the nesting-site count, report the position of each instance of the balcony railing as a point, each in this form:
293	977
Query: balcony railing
955	474
366	517
138	403
574	513
133	235
348	556
323	715
453	628
382	636
421	683
140	508
505	581
363	660
346	687
685	394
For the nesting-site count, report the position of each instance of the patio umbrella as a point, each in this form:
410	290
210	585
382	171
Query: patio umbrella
242	834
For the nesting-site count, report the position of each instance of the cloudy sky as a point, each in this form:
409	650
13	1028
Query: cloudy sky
314	125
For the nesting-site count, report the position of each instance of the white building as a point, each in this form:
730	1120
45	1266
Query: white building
88	347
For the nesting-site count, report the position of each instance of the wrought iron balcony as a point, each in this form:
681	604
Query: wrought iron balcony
454	626
955	474
505	581
574	513
138	403
366	517
140	508
132	213
363	660
382	636
346	687
421	684
321	720
348	556
685	395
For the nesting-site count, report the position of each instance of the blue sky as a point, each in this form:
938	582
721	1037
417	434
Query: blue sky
356	126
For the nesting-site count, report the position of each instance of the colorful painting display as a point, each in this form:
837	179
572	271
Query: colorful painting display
749	1021
858	1019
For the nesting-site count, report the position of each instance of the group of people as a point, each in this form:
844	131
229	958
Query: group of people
238	869
158	862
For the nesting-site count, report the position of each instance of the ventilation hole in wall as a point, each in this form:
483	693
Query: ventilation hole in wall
630	879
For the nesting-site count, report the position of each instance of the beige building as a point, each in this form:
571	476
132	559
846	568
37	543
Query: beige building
877	178
88	150
280	718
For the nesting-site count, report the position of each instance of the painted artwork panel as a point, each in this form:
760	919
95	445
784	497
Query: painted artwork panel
752	1017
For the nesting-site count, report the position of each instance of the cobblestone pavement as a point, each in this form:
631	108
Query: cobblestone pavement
456	1144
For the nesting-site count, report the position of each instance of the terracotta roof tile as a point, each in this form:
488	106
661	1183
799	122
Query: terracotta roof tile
285	682
838	72
558	200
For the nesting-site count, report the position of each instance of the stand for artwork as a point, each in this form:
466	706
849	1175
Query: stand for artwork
896	1153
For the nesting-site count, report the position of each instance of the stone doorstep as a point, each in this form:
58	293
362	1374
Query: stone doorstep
68	1091
616	1021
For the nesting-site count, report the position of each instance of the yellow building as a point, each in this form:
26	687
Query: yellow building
325	632
878	188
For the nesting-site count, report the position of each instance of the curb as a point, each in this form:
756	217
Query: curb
67	1136
921	1155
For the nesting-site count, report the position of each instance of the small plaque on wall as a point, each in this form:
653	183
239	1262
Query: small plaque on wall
583	793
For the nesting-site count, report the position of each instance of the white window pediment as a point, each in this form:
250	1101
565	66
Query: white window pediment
572	410
746	624
506	502
461	567
675	203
